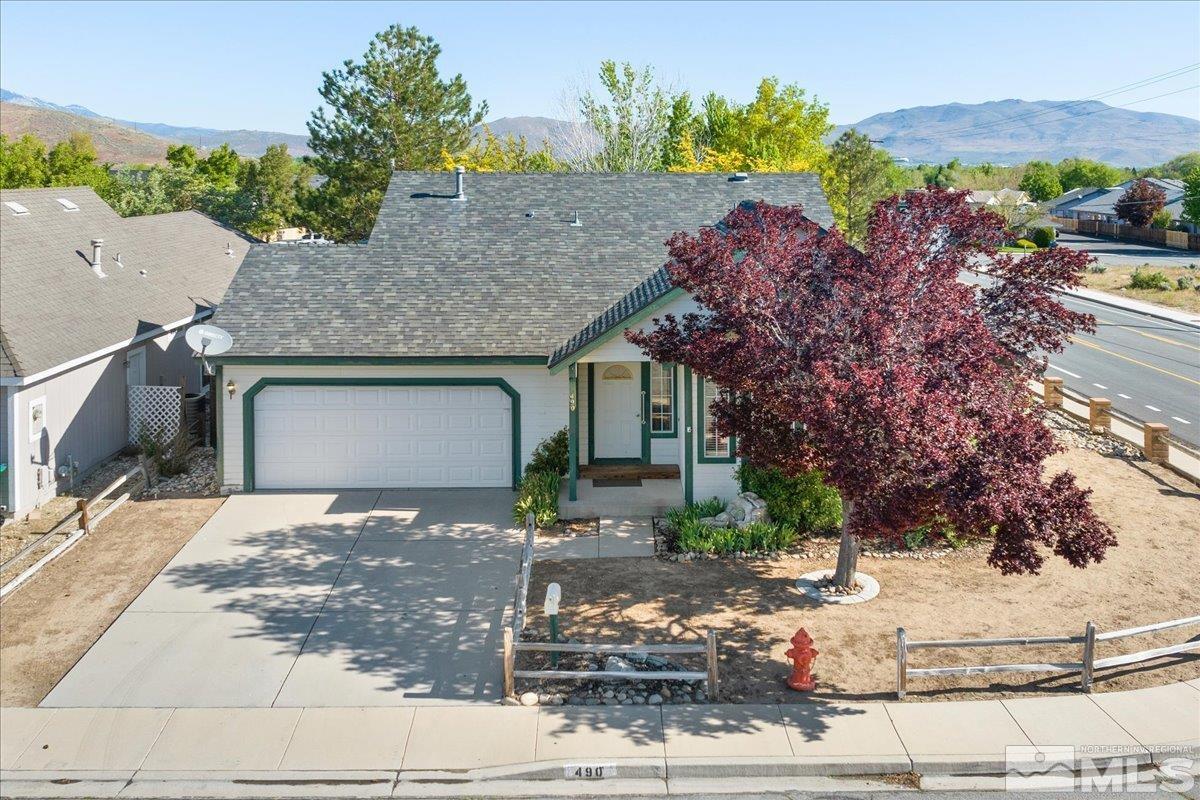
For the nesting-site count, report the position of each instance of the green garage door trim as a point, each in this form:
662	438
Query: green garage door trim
248	409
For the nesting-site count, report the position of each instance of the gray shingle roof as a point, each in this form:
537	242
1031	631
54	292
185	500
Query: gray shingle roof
1106	203
56	309
503	273
642	296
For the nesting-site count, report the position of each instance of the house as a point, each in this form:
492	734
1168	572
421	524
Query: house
1063	206
484	313
1101	207
1010	198
91	303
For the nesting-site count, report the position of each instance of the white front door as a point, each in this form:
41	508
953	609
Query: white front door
618	411
135	367
342	437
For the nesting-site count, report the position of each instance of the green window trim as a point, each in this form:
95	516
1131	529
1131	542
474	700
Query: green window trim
644	458
688	469
701	452
674	409
262	383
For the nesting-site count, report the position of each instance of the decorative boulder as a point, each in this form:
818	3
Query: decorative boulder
745	509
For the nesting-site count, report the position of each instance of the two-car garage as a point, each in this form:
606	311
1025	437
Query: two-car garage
327	434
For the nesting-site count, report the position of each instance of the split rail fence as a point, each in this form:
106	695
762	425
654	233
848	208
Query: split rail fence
513	645
84	519
1086	666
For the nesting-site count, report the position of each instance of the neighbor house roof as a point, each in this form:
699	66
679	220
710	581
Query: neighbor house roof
504	273
1072	197
1105	203
56	308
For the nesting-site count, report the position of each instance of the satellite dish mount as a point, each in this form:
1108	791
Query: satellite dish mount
208	340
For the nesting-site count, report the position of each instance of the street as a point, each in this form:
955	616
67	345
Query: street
1128	253
1148	367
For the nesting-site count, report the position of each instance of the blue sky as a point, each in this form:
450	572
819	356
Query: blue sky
258	65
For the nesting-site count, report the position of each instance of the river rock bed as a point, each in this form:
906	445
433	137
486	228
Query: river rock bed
1071	432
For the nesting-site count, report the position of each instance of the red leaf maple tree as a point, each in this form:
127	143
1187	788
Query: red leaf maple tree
902	385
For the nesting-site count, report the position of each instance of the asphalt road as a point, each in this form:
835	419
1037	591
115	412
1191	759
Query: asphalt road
1126	253
1149	368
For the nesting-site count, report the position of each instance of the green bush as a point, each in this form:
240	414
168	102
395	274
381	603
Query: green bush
169	452
803	503
1043	237
552	455
1145	279
537	493
1025	244
1098	269
1162	219
686	534
1185	282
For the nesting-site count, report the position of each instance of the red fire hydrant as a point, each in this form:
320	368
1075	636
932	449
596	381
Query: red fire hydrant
802	655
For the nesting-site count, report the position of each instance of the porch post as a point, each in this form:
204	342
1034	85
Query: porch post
573	432
686	432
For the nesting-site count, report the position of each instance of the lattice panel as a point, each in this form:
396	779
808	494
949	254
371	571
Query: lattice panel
155	410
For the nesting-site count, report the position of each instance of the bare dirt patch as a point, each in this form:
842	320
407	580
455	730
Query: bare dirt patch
50	622
570	528
755	608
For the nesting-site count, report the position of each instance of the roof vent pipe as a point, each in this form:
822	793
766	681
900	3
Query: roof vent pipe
459	192
97	245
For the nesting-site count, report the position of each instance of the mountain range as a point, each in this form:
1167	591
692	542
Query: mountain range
1001	131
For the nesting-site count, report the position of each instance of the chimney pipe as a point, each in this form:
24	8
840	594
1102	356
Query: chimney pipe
459	193
97	244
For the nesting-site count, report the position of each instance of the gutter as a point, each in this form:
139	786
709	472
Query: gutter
27	380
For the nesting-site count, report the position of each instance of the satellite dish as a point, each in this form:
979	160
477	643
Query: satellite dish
208	340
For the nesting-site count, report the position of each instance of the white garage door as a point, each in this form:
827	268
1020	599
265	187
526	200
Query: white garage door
316	437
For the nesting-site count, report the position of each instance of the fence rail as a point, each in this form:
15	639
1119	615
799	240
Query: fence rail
1086	666
521	598
84	521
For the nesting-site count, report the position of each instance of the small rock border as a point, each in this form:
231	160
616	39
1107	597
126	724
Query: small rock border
606	692
1071	432
816	586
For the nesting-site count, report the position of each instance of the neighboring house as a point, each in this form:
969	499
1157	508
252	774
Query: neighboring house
1065	204
1101	207
472	326
1009	198
90	303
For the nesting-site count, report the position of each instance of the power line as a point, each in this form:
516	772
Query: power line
1175	73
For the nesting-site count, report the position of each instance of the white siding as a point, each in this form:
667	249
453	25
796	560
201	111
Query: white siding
543	399
619	349
708	480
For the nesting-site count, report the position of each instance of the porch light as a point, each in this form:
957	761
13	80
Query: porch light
231	387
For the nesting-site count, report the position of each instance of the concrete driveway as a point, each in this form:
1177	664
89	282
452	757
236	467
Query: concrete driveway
362	598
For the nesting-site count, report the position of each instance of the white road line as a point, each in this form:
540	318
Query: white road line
1124	396
1152	408
1099	385
1064	371
1181	419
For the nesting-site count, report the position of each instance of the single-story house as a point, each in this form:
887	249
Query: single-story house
1065	204
986	198
485	313
1102	206
91	304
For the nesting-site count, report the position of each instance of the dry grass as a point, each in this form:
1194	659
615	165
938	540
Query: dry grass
755	608
1115	280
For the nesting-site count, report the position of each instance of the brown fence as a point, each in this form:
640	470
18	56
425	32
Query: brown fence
1181	240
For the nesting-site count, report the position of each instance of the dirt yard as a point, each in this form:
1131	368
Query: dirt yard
50	622
1115	280
755	608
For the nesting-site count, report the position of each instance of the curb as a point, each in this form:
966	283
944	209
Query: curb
1102	298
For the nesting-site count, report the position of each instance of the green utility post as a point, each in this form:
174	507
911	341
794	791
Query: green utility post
553	596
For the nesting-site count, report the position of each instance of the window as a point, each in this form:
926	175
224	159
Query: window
662	399
37	418
617	372
714	446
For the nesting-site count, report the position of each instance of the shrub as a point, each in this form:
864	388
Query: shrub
552	455
537	493
1025	244
1162	219
1043	237
168	452
803	503
1145	279
1185	282
686	534
1099	269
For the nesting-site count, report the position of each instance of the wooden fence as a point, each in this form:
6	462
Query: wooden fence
1180	240
1086	666
84	521
513	644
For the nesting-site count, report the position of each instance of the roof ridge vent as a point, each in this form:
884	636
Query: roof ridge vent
67	204
17	209
740	177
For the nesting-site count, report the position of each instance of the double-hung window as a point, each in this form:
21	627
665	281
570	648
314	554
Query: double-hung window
714	445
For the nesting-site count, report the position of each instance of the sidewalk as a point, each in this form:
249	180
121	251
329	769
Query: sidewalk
380	752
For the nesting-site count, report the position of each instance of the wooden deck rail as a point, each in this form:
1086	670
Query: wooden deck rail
1086	666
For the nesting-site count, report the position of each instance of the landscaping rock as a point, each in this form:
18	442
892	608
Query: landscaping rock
654	700
618	664
529	699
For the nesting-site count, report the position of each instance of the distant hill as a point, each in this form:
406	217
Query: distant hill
1013	131
246	142
114	143
535	130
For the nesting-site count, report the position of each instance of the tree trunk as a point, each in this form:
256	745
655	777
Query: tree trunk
847	563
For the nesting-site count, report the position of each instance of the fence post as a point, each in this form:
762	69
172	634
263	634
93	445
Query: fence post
1052	392
85	518
1099	414
1089	655
1154	442
901	663
509	658
714	690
